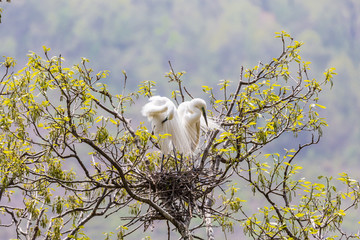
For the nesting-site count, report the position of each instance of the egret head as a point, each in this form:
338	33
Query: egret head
200	104
170	112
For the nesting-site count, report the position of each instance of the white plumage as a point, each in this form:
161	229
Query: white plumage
162	114
190	113
183	124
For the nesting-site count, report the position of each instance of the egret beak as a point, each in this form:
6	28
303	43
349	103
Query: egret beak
167	118
204	114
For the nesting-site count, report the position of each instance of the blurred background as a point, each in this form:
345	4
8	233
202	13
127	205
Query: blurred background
210	40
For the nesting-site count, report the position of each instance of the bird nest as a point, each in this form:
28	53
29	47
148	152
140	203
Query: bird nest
181	193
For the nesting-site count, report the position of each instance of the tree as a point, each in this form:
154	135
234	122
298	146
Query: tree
70	152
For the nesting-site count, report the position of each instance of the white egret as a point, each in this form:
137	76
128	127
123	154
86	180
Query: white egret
190	113
162	114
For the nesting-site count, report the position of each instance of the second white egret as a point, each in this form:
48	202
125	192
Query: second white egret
190	113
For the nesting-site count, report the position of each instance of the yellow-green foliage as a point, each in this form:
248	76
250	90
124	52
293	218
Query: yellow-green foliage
70	151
